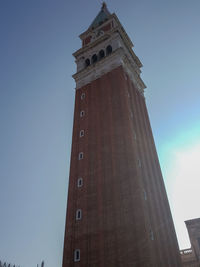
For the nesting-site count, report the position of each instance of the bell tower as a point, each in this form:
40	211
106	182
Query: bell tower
118	213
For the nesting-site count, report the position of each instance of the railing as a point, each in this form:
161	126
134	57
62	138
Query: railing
186	251
4	264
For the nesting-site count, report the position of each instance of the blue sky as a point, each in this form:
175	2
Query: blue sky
36	111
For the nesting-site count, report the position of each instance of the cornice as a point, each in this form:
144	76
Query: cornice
106	36
123	36
133	75
107	64
97	69
123	30
92	44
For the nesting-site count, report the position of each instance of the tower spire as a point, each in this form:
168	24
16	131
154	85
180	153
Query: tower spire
103	5
103	15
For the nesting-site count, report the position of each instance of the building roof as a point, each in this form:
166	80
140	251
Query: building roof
102	16
193	221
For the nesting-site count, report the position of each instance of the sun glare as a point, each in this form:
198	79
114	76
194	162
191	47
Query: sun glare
184	188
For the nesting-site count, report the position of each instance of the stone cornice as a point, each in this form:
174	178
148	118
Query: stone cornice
107	64
122	55
123	30
96	70
91	45
135	78
102	39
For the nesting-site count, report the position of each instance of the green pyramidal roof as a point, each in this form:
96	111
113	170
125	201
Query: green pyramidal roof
102	16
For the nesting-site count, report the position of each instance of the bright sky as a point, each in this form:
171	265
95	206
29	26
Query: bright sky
180	165
36	112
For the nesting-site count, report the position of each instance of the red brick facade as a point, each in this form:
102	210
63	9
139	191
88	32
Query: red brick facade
126	219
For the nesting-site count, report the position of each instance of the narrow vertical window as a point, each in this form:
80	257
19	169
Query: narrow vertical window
94	58
80	155
151	235
80	182
134	135
82	113
82	96
78	215
87	62
101	54
139	163
77	255
81	133
108	49
145	195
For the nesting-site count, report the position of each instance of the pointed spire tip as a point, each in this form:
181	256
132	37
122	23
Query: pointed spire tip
103	5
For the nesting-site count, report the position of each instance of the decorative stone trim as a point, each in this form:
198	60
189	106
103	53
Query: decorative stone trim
122	55
114	60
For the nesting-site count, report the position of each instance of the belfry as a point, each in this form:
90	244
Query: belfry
118	213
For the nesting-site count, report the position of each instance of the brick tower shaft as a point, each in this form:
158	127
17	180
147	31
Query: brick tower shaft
118	214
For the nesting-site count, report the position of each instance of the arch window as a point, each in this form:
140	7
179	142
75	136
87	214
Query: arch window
151	235
82	113
80	155
81	133
108	50
87	62
82	96
78	214
94	58
139	163
145	195
101	54
77	255
80	182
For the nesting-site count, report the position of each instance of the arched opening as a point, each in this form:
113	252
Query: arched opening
94	58
80	182
108	49
77	255
78	215
101	54
87	62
